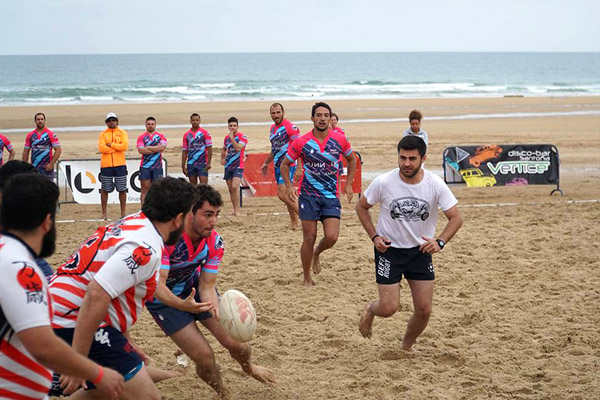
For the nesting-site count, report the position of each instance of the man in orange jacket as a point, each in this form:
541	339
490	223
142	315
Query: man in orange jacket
113	143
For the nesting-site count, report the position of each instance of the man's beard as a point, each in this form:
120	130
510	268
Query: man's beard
48	243
415	172
174	236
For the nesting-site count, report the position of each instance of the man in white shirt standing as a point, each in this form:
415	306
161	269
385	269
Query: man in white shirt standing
404	241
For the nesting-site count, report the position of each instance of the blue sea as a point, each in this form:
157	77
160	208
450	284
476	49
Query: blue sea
139	78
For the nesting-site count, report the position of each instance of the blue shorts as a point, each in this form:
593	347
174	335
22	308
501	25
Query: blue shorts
319	208
42	170
111	177
278	177
110	348
197	170
233	173
172	320
150	174
412	263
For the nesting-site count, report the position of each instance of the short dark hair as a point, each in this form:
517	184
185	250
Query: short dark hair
412	142
15	167
415	114
207	193
150	119
317	105
27	199
335	115
195	115
167	198
277	105
40	113
233	119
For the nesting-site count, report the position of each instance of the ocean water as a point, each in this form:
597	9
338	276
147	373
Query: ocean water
101	79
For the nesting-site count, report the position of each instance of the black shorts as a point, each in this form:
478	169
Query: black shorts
412	263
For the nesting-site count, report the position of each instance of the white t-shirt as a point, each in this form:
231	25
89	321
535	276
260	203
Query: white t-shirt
25	304
408	212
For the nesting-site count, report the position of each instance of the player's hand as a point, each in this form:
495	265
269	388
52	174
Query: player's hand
185	170
49	167
190	304
207	167
430	246
70	384
298	174
382	243
215	312
291	193
349	192
111	384
264	169
108	144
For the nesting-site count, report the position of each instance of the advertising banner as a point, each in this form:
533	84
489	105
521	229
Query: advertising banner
495	165
82	178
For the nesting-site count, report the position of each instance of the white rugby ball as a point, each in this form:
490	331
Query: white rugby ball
237	315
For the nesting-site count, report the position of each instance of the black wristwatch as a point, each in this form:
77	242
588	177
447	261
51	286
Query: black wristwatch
440	243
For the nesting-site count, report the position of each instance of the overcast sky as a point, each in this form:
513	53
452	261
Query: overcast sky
206	26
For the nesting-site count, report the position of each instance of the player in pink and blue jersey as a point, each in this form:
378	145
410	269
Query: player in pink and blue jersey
320	151
41	142
232	157
150	145
5	144
190	268
196	152
281	135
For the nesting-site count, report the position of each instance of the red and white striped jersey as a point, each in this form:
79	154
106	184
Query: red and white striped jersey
124	259
25	304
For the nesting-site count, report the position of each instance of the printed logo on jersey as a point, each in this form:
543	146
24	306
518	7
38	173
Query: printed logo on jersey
139	257
409	209
219	243
29	280
73	262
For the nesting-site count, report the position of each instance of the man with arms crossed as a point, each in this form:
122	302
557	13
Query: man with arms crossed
150	145
232	157
409	198
281	135
41	141
196	153
320	151
194	263
99	292
113	143
29	349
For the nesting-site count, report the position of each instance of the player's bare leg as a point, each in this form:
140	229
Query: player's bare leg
123	203
234	194
193	179
386	306
203	179
241	352
422	294
292	206
331	232
144	186
138	387
191	341
309	234
104	204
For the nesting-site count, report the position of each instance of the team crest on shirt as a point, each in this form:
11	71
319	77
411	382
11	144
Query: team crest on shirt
29	280
219	244
139	257
409	209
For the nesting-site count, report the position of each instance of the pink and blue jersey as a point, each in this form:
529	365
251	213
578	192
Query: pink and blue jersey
233	158
41	145
4	142
281	136
185	264
339	130
195	143
154	160
321	162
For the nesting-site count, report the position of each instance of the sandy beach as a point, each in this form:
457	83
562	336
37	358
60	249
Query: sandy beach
517	295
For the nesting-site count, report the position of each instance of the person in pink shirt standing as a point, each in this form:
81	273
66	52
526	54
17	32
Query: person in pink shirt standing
150	145
232	157
5	144
196	152
41	142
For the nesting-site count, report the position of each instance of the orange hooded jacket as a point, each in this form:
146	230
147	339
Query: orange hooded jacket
113	155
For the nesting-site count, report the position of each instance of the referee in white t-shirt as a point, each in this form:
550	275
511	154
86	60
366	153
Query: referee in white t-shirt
404	241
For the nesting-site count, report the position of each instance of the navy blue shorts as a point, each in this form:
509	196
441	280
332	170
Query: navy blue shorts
172	320
110	348
197	170
278	177
233	173
150	174
42	170
318	208
412	263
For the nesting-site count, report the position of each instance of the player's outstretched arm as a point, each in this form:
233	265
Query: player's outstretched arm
189	304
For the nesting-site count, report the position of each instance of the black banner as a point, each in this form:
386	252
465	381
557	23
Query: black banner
494	165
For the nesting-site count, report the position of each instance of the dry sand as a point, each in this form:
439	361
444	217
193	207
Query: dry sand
516	306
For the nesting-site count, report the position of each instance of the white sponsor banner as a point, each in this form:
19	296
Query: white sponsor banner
83	178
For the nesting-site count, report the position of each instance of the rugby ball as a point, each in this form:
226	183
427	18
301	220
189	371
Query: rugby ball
237	315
